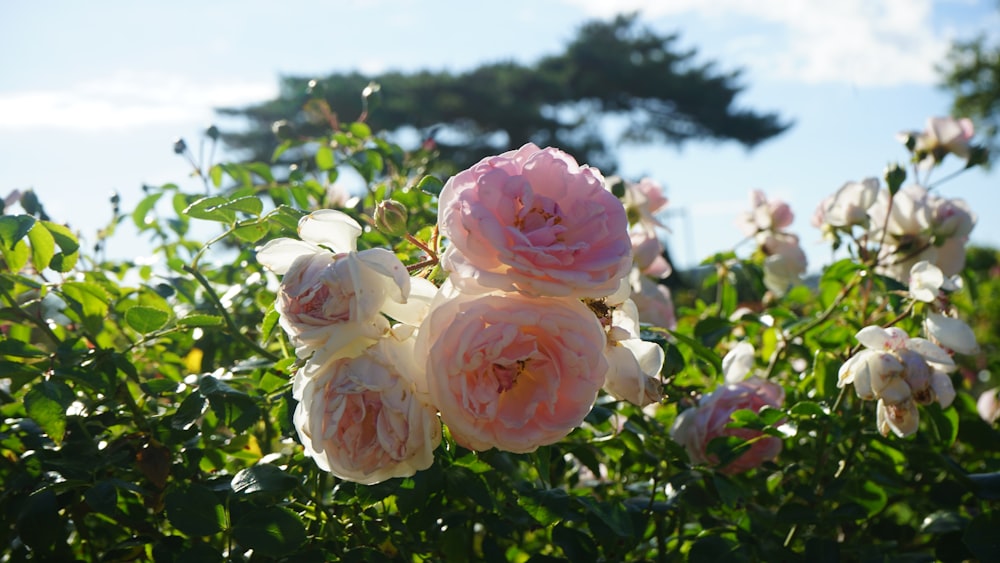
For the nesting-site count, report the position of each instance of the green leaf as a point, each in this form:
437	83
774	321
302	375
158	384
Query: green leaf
711	330
273	531
430	185
16	257
39	524
46	404
944	423
194	320
209	208
194	510
247	204
324	158
189	411
69	247
546	506
43	246
981	536
263	478
251	231
215	173
140	216
146	319
13	228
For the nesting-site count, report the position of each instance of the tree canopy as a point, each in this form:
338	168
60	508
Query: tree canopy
617	69
972	74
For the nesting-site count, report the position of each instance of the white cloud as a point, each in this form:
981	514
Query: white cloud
859	42
125	100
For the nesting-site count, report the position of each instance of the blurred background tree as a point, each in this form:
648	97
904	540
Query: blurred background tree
654	91
971	73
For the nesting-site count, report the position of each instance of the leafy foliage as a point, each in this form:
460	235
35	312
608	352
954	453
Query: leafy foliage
147	411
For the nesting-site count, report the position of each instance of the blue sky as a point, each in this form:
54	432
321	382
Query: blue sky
93	94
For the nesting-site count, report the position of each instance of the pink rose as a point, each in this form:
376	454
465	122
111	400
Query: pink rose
765	215
333	297
534	221
648	253
360	418
642	201
988	405
698	426
511	371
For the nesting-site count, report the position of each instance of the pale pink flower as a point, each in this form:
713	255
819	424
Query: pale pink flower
648	253
902	418
945	135
634	364
696	427
785	262
988	405
899	372
643	199
654	301
926	281
333	297
848	206
361	419
951	333
511	371
533	220
765	215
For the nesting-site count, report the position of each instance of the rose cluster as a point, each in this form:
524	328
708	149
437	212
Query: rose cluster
767	222
510	352
913	224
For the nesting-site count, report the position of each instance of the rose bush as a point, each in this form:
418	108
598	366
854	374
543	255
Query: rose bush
489	366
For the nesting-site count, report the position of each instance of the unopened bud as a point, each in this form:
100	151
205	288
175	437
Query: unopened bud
180	146
212	132
978	156
895	175
390	217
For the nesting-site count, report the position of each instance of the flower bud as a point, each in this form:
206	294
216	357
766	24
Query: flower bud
895	175
212	132
390	217
180	146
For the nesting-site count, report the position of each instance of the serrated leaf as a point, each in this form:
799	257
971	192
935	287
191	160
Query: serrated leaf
263	478
195	320
43	246
272	531
13	228
430	185
16	257
324	158
246	204
208	208
140	215
251	232
194	510
46	404
146	319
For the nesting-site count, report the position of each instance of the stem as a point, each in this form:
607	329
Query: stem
214	298
24	315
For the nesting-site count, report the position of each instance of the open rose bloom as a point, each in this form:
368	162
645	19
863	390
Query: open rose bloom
361	419
511	371
696	427
534	221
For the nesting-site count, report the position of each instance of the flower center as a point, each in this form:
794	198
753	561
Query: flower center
506	374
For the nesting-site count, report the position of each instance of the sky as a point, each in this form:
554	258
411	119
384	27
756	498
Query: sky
93	94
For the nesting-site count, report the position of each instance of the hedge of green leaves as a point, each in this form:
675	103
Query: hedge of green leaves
147	406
